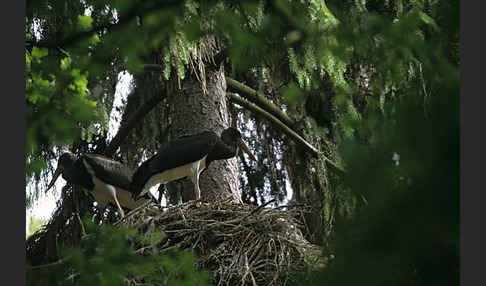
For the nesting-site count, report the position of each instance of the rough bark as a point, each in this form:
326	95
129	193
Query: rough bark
191	112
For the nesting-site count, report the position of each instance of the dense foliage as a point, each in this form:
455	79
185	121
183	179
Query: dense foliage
108	256
408	231
404	161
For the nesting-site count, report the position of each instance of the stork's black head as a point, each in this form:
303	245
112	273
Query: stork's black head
66	160
64	167
230	136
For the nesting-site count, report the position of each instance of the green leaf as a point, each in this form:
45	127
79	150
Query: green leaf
342	101
94	39
81	83
28	60
84	22
293	37
428	20
39	53
75	73
293	94
65	62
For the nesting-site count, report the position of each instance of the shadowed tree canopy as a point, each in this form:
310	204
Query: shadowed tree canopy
350	108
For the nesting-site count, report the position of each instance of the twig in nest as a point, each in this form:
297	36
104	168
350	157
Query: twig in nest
233	243
183	217
248	272
255	210
134	211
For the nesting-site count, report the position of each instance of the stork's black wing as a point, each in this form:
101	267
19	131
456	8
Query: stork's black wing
181	151
109	171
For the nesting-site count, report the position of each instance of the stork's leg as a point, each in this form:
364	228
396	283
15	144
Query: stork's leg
112	191
101	208
195	179
76	204
162	190
198	191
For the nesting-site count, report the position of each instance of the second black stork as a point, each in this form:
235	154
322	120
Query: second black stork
107	180
187	156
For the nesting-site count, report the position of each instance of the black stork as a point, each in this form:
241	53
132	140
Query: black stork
187	156
107	180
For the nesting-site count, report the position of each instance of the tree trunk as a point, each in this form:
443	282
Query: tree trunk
191	112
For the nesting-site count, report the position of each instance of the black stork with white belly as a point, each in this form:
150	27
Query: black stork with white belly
107	180
187	156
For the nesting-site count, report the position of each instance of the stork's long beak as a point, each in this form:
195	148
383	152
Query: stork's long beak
245	148
54	177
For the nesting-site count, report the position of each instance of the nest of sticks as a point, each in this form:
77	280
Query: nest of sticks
240	244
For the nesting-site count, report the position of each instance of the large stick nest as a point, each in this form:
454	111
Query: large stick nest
240	244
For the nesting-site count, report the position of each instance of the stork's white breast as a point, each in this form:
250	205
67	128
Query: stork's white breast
103	196
175	173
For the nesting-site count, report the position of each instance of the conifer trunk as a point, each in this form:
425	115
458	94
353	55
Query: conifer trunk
191	112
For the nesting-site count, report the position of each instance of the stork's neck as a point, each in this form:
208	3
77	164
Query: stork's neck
223	150
232	146
68	172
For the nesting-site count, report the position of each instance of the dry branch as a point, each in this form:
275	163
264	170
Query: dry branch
131	123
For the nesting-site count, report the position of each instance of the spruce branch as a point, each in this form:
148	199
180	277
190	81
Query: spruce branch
125	19
284	128
58	262
264	108
257	98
